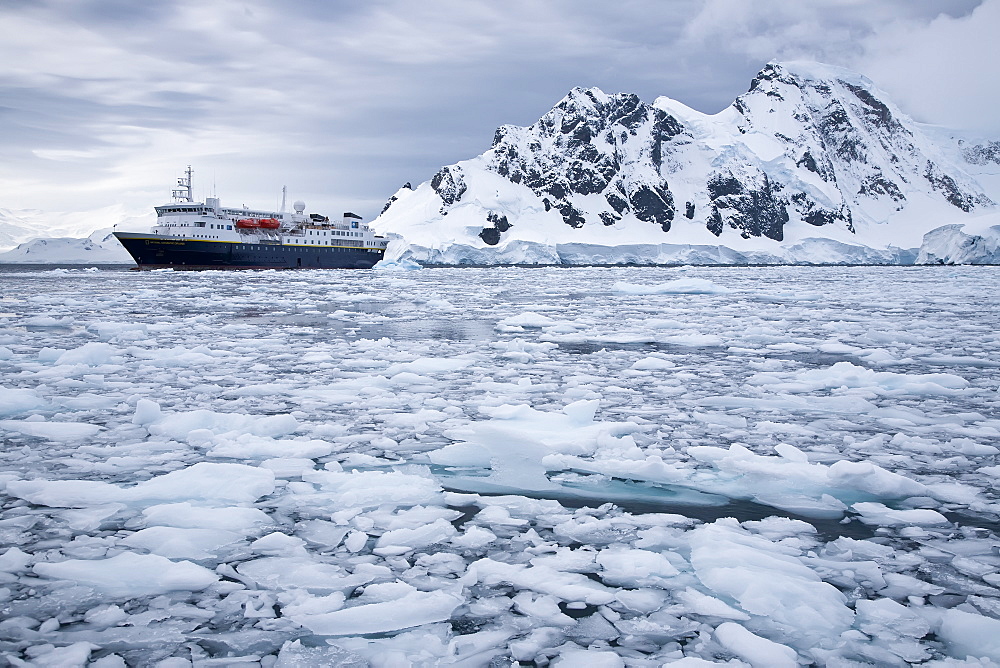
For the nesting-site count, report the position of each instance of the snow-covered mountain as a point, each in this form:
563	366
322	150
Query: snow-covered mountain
812	164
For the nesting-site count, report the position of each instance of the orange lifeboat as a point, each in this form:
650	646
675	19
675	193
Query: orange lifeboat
269	223
247	223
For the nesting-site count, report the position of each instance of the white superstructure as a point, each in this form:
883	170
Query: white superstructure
184	218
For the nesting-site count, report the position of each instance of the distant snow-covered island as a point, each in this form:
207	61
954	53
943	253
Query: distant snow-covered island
813	165
101	247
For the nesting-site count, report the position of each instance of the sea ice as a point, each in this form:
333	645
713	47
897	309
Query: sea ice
614	466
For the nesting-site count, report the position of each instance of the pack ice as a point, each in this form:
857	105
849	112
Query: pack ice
752	466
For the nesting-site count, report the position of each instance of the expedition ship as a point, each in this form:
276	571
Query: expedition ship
205	235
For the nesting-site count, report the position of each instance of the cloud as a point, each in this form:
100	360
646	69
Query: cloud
105	101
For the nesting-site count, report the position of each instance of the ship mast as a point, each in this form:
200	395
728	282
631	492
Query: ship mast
183	193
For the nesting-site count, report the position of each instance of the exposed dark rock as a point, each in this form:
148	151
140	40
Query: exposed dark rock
948	187
617	202
814	214
808	162
653	205
499	221
490	235
757	211
714	222
571	215
876	112
982	154
689	210
878	185
608	218
449	185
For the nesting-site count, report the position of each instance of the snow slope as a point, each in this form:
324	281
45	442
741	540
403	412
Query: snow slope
814	164
99	248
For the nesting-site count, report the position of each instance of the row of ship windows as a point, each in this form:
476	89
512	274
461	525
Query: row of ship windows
337	234
287	248
213	226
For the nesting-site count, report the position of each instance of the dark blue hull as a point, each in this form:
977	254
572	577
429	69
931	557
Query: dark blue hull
153	252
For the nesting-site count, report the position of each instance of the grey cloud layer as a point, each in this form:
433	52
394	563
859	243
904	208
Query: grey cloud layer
104	101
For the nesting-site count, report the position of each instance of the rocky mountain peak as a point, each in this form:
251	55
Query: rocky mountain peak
807	145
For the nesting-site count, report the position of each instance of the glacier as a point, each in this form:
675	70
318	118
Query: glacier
612	466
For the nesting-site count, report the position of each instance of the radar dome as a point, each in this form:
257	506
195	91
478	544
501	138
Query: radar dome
299	206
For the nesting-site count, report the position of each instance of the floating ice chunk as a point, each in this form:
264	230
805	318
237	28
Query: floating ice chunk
542	579
371	489
130	575
107	331
65	493
288	467
845	374
634	568
295	655
653	364
279	544
306	573
473	538
52	431
527	319
176	543
572	658
680	286
185	515
875	480
788	482
14	560
397	265
90	354
16	400
49	321
877	513
425	365
970	635
76	655
297	602
883	615
247	446
179	425
518	437
437	531
758	652
207	481
768	581
356	541
416	608
146	412
204	481
543	609
703	604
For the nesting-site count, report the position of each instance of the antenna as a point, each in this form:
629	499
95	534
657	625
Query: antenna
183	192
284	193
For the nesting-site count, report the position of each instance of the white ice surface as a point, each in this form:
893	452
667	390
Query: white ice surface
691	466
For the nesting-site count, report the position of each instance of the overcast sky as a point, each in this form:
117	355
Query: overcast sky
107	101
